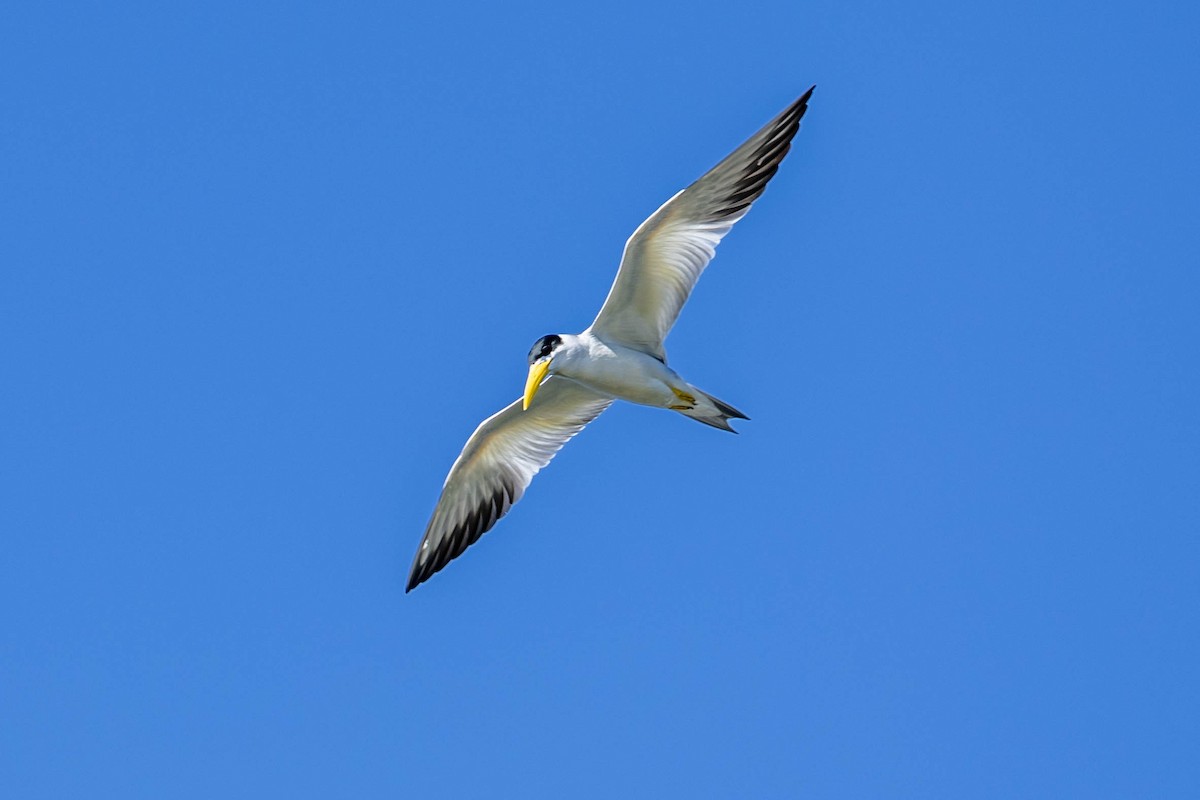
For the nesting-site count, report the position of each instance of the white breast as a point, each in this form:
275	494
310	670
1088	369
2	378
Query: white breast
617	370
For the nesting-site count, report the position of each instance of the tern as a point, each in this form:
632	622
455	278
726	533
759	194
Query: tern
620	356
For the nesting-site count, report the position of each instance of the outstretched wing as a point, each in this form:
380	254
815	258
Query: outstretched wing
498	462
666	254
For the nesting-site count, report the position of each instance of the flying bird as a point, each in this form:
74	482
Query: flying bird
620	356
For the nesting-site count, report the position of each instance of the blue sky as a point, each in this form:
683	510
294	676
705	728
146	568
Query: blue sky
264	267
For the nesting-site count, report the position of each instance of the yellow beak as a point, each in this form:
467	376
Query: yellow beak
537	371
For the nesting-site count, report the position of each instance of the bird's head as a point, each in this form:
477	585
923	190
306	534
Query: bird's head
540	356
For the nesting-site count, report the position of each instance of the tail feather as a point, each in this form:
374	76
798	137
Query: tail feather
712	411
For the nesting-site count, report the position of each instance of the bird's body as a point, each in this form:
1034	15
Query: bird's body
618	371
620	356
612	369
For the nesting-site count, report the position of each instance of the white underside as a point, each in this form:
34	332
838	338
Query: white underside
619	371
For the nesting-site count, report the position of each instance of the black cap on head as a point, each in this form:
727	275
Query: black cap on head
544	346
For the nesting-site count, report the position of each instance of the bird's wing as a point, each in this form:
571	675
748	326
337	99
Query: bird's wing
666	254
498	462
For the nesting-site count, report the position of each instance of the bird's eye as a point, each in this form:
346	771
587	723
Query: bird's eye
543	347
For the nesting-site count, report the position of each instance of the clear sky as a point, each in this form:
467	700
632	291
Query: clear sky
264	267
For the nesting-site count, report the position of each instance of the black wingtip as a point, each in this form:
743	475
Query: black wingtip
801	104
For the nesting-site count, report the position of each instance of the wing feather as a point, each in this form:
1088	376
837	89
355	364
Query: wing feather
497	464
666	254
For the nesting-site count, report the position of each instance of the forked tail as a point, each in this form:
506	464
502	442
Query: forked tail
712	411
